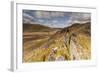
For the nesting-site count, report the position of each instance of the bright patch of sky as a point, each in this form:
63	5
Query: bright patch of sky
54	19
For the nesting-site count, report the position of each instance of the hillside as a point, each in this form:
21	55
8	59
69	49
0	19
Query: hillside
69	43
36	28
74	42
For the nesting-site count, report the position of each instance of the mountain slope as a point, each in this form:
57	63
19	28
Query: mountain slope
75	40
69	43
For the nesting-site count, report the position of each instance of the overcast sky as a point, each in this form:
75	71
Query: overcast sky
53	18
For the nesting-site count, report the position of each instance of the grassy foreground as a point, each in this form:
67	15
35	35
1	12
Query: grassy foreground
50	44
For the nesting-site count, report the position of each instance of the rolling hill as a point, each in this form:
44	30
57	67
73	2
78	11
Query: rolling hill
37	28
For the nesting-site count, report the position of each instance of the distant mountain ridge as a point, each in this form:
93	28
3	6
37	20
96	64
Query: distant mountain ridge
37	27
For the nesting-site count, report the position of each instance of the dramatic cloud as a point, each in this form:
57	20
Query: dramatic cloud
79	18
54	19
48	14
41	14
